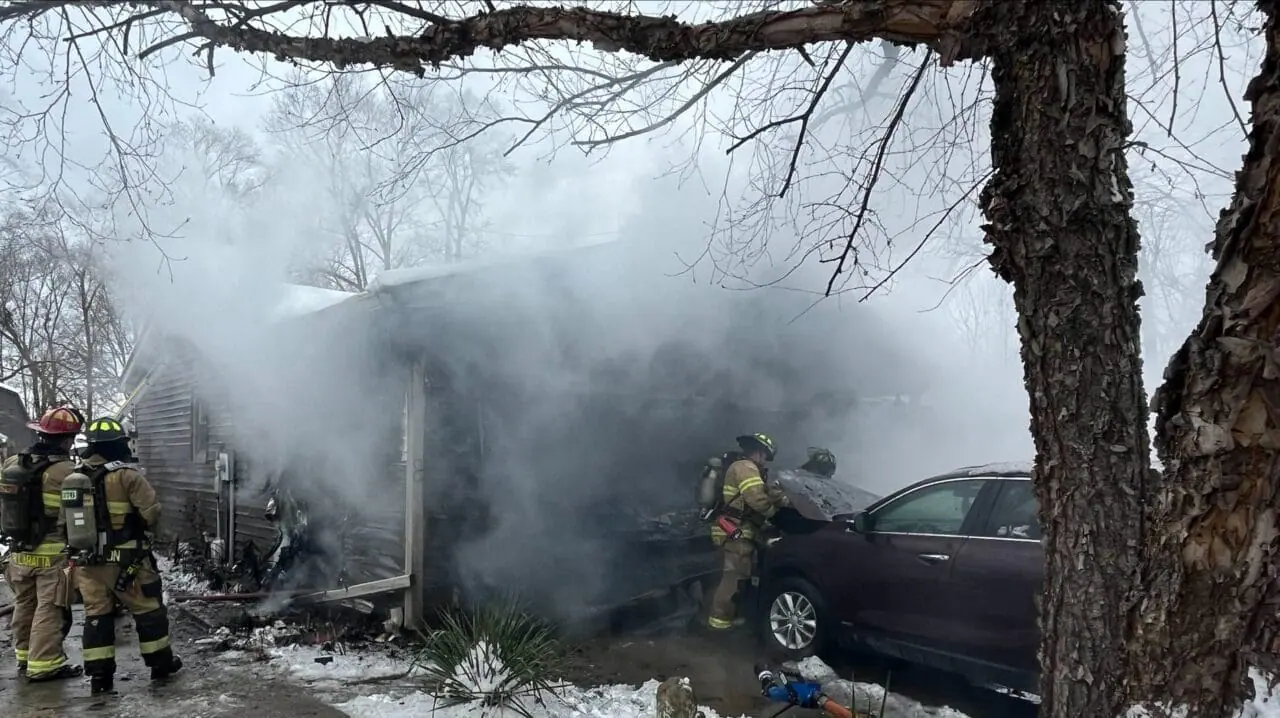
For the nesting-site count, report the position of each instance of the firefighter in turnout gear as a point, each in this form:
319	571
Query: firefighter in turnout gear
122	568
748	504
36	570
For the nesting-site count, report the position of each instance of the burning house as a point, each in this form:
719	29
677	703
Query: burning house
528	427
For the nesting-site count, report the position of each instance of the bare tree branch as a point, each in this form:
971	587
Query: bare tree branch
941	24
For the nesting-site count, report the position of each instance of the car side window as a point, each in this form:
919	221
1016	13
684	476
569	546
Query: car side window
938	509
1014	514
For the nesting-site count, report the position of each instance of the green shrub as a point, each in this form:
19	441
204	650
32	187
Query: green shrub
495	657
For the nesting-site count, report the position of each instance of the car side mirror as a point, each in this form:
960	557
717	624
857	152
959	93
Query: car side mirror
861	523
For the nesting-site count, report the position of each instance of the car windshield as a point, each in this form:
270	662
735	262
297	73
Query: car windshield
937	509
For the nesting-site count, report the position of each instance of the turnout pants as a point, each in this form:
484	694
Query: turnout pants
101	587
739	561
40	624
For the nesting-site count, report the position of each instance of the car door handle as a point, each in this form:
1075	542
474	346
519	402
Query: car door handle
932	558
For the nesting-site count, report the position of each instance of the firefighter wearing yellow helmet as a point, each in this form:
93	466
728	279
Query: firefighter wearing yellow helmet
120	565
747	505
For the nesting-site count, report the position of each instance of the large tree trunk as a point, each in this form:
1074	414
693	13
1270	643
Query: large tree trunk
1058	211
1211	576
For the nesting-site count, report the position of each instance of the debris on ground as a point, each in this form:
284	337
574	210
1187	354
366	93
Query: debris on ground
676	699
865	698
181	579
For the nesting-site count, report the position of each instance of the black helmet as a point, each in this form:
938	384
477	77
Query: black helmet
821	461
105	430
754	442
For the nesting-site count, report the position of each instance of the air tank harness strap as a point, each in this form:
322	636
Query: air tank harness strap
130	563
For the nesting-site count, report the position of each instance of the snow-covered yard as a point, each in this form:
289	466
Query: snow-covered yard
623	701
381	680
602	702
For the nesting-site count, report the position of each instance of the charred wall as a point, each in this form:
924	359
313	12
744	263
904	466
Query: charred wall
13	419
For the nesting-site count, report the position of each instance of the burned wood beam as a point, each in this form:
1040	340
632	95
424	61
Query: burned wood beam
415	531
384	585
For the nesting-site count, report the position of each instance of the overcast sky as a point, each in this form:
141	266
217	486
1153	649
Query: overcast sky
1188	171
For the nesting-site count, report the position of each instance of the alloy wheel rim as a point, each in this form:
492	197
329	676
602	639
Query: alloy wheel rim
793	620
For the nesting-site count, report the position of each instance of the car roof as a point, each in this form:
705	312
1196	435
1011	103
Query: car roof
1013	469
1007	469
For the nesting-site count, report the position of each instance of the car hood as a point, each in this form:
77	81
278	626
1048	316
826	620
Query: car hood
821	499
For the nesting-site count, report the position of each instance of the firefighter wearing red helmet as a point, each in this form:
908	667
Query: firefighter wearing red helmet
30	520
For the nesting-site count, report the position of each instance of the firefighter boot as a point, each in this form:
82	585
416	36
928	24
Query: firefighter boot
62	673
166	669
22	669
101	684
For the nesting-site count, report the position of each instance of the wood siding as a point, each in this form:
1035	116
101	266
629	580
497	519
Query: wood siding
164	417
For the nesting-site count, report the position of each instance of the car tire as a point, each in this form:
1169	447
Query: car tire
801	599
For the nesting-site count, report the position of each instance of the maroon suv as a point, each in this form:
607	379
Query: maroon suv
946	573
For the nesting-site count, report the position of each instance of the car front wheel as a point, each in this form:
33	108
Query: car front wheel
794	619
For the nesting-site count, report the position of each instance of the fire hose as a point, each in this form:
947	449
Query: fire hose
796	693
6	610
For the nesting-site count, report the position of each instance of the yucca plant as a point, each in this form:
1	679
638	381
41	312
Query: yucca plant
496	657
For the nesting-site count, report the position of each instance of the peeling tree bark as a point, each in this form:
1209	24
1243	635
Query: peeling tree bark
1058	211
1212	564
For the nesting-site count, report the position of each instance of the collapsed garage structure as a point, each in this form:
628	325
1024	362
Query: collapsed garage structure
551	413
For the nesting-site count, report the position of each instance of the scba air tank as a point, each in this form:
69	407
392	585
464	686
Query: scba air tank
79	512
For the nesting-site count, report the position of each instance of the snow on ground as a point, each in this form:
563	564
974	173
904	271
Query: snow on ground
300	663
376	683
329	667
571	702
621	701
1264	704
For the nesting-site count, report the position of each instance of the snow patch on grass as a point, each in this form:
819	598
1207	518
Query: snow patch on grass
482	672
570	702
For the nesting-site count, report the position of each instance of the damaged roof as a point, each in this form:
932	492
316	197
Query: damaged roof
295	301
